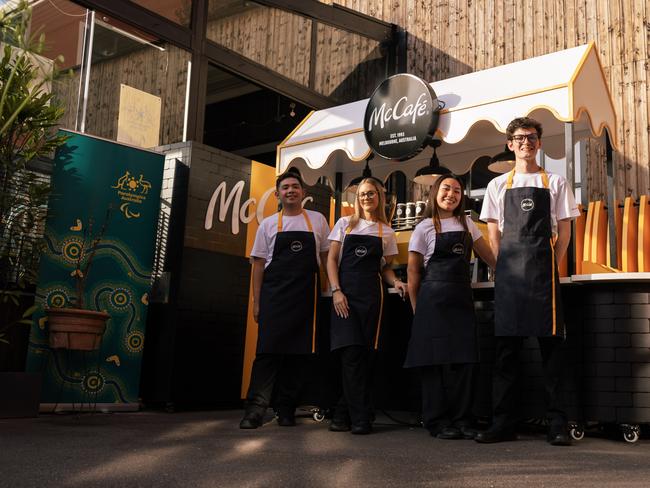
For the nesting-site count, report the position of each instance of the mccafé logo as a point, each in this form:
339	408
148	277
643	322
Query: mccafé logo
360	251
401	109
401	117
296	246
458	249
527	204
243	213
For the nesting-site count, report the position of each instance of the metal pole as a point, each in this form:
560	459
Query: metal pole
611	201
570	176
86	61
338	195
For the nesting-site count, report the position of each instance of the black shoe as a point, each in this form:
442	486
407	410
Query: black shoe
287	421
339	426
492	436
467	432
251	421
558	439
449	433
362	428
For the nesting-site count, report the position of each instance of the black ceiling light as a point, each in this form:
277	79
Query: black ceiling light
352	187
502	162
430	173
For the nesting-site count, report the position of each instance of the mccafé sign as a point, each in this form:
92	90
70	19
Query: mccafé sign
224	202
401	117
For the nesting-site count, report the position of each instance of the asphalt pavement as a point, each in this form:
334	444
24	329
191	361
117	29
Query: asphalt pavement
207	449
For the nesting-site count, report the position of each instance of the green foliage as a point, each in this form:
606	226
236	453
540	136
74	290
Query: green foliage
28	120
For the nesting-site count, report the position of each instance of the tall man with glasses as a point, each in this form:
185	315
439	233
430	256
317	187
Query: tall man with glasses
528	213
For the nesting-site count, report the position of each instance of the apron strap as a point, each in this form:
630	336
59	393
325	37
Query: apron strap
511	176
304	214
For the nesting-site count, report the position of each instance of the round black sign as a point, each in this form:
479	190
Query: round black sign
401	117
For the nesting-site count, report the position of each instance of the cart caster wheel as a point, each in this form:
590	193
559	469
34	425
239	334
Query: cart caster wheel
630	433
318	416
577	433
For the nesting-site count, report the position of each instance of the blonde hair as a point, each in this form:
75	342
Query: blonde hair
381	206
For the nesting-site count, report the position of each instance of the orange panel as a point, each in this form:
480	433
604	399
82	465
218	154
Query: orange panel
643	242
586	255
630	233
599	234
581	220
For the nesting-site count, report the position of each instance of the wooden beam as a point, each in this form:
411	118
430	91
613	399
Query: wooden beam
336	16
198	75
143	19
261	75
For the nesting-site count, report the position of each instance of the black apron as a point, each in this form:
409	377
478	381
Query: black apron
527	288
288	299
360	280
444	326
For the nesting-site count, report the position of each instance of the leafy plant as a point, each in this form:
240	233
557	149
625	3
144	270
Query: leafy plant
28	120
89	246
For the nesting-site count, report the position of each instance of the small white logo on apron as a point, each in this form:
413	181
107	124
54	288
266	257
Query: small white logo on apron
458	249
527	204
296	246
360	251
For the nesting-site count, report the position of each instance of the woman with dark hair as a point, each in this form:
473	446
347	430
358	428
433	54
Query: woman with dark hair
444	336
361	249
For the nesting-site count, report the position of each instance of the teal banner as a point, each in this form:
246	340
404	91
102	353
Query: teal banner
98	184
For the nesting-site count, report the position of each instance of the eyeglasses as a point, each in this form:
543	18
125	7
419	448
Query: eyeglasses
367	194
520	138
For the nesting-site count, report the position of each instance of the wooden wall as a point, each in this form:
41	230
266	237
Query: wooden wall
348	66
452	37
160	73
446	38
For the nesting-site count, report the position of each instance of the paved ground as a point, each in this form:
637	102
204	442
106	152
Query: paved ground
205	449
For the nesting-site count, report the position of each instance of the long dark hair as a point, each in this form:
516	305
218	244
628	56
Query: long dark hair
432	204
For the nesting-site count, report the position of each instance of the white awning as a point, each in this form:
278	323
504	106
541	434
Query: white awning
566	86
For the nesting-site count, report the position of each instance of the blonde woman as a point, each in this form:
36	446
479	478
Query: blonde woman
362	247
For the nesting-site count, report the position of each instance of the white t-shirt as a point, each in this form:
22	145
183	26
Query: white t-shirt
268	229
366	228
423	238
563	204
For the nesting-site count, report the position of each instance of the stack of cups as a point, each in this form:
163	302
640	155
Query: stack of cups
410	214
419	210
400	216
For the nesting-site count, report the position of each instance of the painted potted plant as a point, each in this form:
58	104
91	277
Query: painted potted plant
74	326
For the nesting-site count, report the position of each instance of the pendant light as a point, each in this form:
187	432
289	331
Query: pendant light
430	173
352	187
502	162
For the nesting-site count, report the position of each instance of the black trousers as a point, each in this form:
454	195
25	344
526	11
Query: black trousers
356	378
506	374
442	407
285	372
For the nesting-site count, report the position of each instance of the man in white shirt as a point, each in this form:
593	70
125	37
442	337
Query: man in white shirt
285	258
528	213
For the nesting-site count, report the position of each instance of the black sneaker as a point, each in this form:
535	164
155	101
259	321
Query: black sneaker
338	425
558	439
286	421
251	421
449	433
361	428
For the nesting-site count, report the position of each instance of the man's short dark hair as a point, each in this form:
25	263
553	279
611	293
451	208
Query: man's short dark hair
523	123
290	173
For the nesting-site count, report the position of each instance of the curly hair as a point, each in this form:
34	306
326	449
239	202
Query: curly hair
523	123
